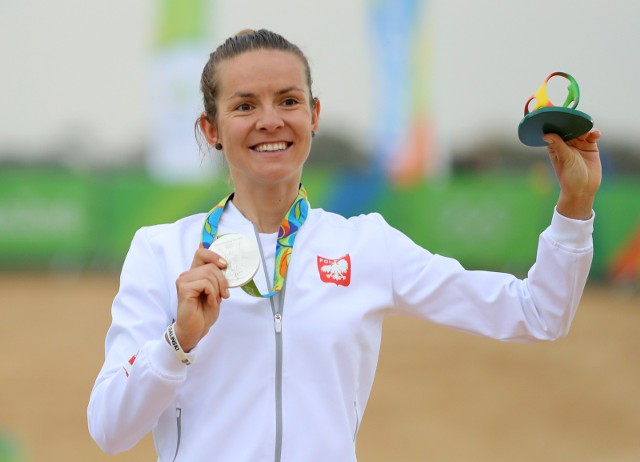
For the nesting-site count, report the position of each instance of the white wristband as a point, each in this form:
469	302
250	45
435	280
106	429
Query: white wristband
173	341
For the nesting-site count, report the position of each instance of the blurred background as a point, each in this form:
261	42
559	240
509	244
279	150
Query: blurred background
421	101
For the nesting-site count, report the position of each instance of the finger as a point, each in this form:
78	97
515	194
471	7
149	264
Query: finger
593	136
206	256
202	289
552	138
212	273
221	281
211	295
554	144
203	258
594	133
210	301
580	142
586	142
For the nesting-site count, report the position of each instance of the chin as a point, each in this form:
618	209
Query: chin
275	178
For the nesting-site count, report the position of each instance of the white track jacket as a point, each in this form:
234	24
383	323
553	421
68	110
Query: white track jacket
288	378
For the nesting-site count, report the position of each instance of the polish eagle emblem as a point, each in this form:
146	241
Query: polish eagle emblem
335	270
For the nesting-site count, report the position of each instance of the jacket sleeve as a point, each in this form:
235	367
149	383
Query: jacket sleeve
141	374
492	304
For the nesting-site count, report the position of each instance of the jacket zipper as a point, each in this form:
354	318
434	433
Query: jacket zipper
355	433
278	332
277	302
277	323
179	424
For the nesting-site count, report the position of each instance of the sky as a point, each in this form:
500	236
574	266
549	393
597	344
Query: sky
78	73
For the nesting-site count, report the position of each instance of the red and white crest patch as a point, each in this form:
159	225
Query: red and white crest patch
336	270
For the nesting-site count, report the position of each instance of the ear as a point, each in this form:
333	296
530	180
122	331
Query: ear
315	115
209	130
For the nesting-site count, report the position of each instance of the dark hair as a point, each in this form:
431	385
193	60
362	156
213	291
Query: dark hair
244	41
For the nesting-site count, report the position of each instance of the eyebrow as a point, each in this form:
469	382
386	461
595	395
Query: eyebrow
241	94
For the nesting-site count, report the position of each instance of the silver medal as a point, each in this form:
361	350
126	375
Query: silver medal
243	258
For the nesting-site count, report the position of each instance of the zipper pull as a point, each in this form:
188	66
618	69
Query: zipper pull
277	322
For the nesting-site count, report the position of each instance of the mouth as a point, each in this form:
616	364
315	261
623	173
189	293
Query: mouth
271	147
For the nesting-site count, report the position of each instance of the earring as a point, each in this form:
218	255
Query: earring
313	134
218	147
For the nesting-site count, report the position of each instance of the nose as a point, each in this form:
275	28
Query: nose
269	119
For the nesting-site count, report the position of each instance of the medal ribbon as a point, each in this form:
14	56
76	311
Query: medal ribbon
289	227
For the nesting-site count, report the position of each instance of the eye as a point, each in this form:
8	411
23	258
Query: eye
289	102
244	107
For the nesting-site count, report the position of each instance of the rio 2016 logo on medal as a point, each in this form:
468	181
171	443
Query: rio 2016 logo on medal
243	258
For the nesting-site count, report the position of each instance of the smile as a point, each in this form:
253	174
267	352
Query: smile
271	147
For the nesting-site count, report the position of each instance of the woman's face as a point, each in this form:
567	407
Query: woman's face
265	117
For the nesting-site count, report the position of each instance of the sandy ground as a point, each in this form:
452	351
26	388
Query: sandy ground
439	395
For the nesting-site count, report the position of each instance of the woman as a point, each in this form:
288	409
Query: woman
287	375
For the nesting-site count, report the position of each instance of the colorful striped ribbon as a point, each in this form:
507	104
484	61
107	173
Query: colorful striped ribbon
289	227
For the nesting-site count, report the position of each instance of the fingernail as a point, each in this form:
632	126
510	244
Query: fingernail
226	292
223	261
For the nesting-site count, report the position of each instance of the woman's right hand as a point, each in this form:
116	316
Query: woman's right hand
200	292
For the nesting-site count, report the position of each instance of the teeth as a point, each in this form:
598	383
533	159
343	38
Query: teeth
271	147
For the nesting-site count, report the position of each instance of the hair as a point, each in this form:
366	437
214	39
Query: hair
244	41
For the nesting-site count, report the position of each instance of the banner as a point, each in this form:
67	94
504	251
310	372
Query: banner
175	101
402	34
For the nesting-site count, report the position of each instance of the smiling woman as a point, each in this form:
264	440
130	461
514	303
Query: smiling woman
258	99
216	372
263	121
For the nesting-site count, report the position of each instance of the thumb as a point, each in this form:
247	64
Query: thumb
556	147
552	138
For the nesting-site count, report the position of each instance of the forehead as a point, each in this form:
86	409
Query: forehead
260	70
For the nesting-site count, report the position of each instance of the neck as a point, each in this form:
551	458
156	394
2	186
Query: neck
265	206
